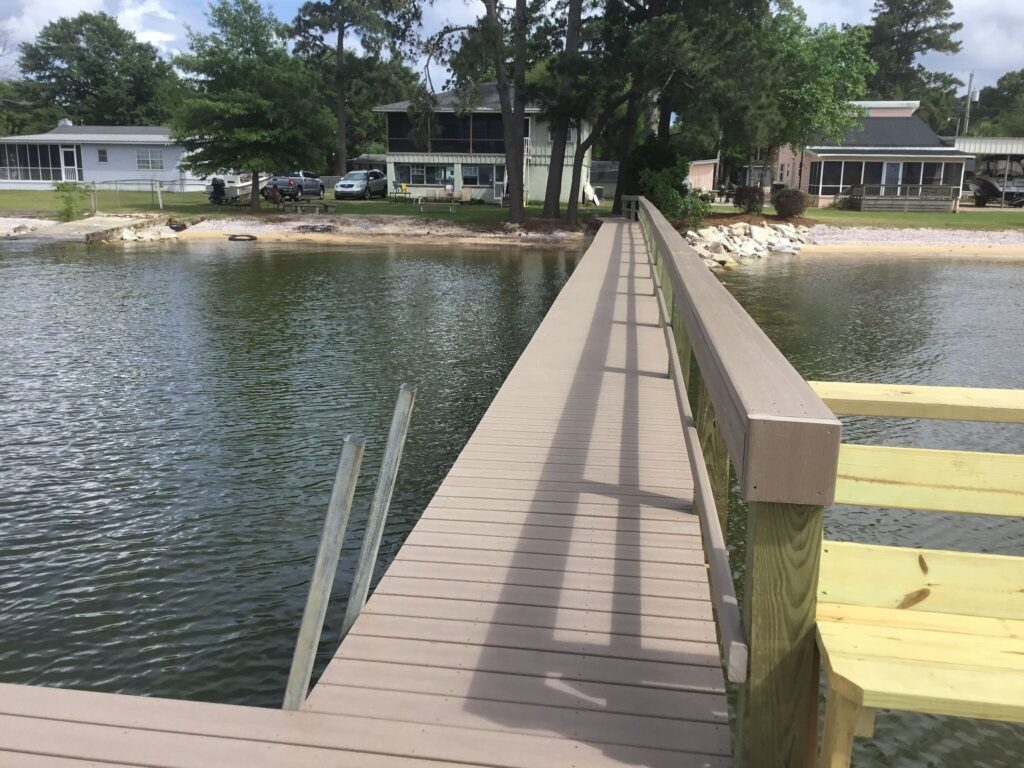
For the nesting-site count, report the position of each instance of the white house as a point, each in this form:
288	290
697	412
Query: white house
466	150
130	155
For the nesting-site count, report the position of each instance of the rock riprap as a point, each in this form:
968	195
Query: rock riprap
728	246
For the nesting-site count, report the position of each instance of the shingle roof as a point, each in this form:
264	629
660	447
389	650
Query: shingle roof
485	99
887	132
98	134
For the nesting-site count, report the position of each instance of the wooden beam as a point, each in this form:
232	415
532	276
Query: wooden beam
783	551
924	478
919	402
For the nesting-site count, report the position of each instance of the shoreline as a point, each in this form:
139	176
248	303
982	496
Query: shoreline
386	239
917	250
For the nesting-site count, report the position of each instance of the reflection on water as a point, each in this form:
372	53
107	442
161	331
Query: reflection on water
170	423
952	323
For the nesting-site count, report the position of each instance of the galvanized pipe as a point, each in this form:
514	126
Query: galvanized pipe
379	506
338	510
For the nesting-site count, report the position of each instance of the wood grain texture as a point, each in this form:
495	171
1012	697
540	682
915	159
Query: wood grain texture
924	478
783	552
921	402
716	455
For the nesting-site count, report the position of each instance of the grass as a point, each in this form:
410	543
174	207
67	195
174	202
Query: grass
980	219
46	203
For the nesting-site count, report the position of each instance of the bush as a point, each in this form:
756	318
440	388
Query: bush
789	203
659	187
73	200
749	199
694	209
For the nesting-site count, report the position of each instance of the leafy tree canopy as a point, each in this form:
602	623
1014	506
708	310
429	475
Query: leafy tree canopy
250	105
98	73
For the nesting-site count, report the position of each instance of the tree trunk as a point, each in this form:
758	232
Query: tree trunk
626	147
341	105
560	126
571	211
513	106
664	116
254	191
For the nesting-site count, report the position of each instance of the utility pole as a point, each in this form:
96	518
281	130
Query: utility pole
967	109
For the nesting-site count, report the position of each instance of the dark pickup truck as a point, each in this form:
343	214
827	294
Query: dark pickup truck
296	185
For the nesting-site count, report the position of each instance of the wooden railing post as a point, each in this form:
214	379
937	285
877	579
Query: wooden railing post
779	706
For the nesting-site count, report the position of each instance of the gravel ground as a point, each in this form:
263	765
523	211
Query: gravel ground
8	224
822	234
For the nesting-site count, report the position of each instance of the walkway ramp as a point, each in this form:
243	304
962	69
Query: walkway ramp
555	587
550	609
85	230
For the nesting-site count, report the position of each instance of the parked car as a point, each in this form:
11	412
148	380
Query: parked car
296	185
364	184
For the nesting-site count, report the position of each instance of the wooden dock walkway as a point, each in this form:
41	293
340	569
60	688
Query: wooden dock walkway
550	609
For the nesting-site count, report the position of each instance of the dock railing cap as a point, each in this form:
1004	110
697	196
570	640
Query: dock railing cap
782	439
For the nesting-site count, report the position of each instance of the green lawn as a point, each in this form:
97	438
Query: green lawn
45	203
968	218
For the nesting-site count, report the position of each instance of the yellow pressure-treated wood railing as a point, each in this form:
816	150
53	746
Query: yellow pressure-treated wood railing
918	629
752	410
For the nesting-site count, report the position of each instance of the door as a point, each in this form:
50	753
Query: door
891	179
499	183
68	164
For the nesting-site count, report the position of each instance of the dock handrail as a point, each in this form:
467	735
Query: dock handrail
755	411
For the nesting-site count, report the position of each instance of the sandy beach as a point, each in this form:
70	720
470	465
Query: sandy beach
877	241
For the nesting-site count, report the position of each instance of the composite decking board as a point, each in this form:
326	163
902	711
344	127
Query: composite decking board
550	609
559	563
649	627
490	714
662	703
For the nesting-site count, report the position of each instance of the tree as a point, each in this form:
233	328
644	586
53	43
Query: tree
999	105
98	73
250	107
815	75
375	24
901	31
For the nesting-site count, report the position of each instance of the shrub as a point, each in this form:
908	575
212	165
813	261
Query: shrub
789	203
659	188
749	199
72	198
694	209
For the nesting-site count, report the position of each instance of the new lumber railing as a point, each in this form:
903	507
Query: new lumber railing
753	411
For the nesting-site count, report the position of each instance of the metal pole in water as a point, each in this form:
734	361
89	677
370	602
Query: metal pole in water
379	506
338	510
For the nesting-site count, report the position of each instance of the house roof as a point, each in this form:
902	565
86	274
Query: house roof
991	145
875	132
484	100
887	104
936	152
97	134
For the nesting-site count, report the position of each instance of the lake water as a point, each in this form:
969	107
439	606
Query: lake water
906	321
170	425
170	422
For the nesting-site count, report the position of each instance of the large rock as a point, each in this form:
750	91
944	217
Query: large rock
740	229
710	234
761	234
730	245
749	249
717	247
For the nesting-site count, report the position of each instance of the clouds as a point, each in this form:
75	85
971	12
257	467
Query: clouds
991	38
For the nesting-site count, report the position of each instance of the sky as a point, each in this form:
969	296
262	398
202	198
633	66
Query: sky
991	37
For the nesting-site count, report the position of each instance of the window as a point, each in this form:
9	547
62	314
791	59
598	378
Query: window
470	175
853	171
150	159
932	174
951	174
418	174
570	135
815	178
402	174
34	162
872	173
488	135
911	174
450	134
831	177
487	175
403	136
440	175
101	155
